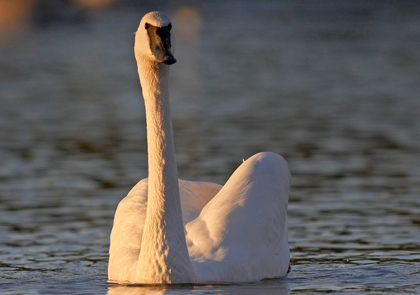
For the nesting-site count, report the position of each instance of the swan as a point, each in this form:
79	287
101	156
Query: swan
172	231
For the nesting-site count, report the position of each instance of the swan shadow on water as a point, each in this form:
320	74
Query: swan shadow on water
265	287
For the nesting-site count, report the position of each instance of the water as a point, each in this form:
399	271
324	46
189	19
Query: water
333	87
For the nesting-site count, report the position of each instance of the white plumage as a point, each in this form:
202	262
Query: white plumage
175	231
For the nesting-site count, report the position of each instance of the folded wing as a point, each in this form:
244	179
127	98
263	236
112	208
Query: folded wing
241	233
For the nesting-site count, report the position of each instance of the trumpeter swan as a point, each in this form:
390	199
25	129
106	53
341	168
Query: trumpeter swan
168	230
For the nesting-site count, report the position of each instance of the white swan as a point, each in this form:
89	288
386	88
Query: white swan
174	231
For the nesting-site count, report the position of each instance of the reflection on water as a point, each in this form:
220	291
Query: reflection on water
93	4
270	287
188	23
332	87
14	16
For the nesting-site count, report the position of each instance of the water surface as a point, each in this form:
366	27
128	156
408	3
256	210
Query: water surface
333	87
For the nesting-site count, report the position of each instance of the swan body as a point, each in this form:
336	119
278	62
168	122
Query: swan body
168	230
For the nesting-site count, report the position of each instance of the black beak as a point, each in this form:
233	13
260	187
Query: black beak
169	59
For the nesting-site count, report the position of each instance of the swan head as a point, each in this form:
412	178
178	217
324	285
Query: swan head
154	39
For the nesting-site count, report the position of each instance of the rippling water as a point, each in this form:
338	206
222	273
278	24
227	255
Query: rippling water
334	87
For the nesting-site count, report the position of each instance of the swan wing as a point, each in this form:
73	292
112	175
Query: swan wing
194	196
127	233
241	233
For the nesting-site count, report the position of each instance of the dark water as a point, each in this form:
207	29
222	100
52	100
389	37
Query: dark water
333	87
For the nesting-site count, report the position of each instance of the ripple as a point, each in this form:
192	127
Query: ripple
333	88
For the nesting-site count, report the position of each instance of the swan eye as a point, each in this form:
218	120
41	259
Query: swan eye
146	25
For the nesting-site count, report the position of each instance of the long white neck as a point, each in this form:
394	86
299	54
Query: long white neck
163	256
